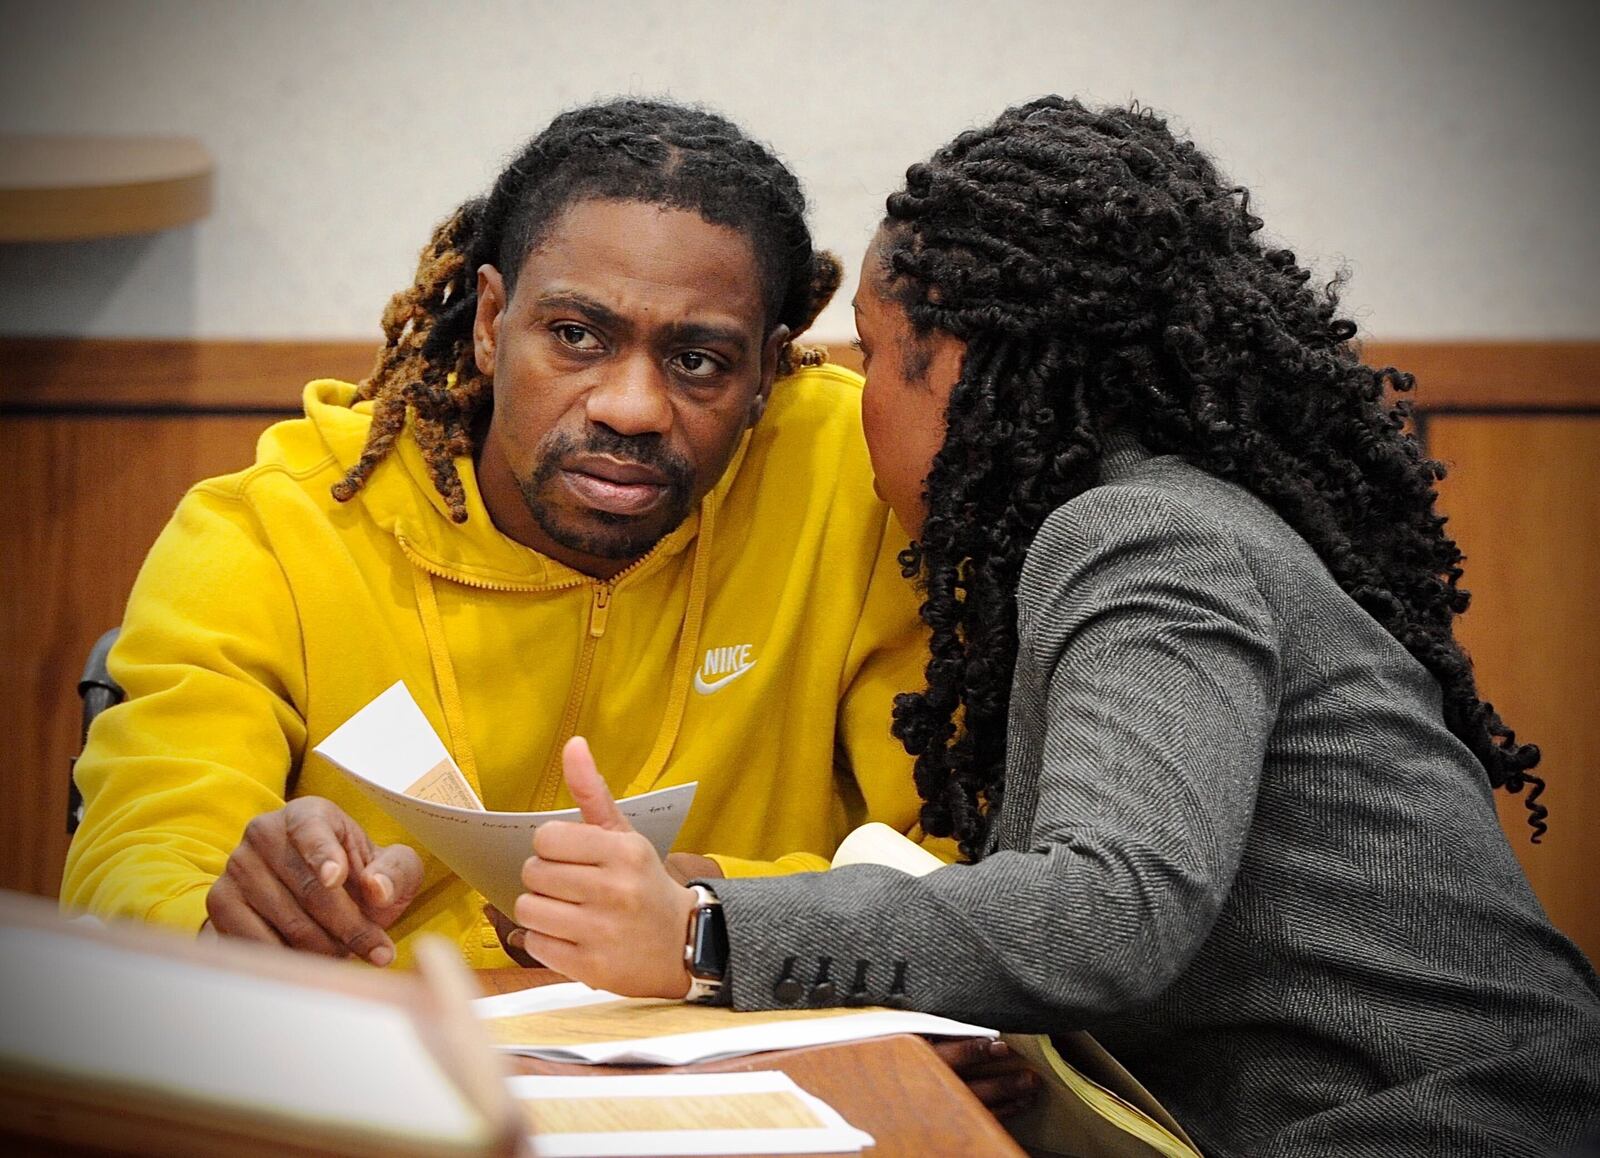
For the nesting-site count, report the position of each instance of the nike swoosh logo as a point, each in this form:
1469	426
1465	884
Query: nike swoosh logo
706	688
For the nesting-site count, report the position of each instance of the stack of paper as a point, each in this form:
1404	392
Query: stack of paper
751	1113
574	1023
396	758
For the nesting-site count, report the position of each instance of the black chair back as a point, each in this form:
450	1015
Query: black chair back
98	691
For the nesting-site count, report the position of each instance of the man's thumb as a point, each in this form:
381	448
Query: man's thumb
588	789
392	878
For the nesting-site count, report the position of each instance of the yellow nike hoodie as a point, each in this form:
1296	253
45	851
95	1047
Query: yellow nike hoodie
757	650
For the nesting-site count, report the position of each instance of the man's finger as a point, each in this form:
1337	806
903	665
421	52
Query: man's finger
262	889
964	1053
311	834
342	916
1006	1094
228	915
993	1071
391	880
513	938
589	789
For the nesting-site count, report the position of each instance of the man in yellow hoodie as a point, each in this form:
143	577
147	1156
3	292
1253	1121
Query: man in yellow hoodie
588	489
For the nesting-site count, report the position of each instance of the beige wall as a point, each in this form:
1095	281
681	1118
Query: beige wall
1442	150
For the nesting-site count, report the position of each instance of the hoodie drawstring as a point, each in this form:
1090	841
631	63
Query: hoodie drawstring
455	718
688	651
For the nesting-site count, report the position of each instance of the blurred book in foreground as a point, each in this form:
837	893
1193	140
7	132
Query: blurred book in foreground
133	1041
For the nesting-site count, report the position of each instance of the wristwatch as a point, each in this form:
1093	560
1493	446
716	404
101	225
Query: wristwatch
705	949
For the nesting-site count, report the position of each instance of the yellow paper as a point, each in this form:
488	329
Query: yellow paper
596	1115
444	784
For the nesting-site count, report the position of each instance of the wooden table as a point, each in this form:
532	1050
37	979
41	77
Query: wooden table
895	1088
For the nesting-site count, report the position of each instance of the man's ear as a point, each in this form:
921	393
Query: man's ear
486	324
770	351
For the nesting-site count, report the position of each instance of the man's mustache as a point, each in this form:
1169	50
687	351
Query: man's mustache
646	450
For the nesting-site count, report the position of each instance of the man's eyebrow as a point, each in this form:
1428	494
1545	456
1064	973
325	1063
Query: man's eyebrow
595	311
704	333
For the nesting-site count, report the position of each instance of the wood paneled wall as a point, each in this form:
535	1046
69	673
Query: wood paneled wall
104	436
1523	498
1518	424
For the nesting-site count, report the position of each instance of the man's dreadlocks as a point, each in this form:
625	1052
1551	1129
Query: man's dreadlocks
654	152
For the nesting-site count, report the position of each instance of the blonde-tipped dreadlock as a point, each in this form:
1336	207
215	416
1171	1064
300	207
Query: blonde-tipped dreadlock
404	376
647	151
827	272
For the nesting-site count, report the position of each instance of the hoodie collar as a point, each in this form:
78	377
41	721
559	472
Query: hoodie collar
400	498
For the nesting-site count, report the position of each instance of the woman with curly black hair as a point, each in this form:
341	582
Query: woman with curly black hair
1194	703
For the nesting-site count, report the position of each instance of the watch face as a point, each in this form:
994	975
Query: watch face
709	956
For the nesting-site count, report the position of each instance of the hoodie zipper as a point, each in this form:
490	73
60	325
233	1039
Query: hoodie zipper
601	594
599	612
433	568
599	609
550	780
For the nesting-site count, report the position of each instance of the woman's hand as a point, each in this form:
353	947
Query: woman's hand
600	905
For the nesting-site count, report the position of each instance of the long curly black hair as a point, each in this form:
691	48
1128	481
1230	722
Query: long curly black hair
1101	274
656	152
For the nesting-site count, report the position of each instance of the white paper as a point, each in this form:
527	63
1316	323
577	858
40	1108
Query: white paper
389	746
830	1135
877	843
750	1033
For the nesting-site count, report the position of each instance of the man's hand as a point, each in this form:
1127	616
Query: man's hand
308	877
999	1078
684	867
600	905
511	935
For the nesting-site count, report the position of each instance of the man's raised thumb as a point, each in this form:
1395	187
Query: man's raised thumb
589	790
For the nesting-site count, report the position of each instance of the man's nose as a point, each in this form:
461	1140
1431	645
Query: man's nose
632	399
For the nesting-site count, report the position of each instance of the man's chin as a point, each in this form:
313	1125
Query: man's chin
605	535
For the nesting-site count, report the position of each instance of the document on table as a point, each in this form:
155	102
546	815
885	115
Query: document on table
751	1113
396	758
573	1023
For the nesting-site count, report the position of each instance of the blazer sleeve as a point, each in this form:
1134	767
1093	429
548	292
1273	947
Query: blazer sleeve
1147	687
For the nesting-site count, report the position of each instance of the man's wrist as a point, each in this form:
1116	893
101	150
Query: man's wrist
684	867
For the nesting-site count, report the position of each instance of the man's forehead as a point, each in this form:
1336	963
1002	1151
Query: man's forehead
639	260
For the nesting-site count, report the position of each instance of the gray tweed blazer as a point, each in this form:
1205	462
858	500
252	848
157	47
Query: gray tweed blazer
1238	845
